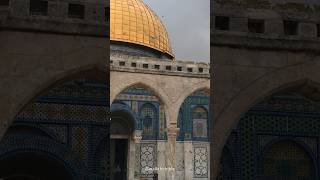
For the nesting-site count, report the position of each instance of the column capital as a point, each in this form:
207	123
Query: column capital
172	131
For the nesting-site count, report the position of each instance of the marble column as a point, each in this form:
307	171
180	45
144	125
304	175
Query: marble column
135	171
161	159
188	160
172	131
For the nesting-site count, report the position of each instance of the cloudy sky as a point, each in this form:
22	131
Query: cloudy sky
188	24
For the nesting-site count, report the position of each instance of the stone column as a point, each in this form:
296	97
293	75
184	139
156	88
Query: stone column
161	159
136	164
188	160
172	131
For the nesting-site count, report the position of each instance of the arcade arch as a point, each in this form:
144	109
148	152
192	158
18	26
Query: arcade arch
289	115
226	117
71	108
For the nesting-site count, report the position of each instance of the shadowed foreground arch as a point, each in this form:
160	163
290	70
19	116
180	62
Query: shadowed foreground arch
292	113
263	87
90	71
71	107
24	158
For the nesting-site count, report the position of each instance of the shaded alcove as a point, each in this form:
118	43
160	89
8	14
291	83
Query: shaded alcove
33	166
286	159
277	138
56	133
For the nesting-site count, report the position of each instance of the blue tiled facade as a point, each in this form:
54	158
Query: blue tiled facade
276	139
148	112
151	114
70	122
187	115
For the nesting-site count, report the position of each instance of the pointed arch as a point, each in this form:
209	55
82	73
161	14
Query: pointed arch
274	81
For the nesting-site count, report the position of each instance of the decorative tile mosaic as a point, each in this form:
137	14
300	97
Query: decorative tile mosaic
200	162
148	159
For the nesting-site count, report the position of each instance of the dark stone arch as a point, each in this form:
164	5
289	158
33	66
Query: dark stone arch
14	148
90	101
90	72
291	114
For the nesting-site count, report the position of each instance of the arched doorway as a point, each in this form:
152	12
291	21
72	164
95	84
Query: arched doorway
121	128
140	118
286	160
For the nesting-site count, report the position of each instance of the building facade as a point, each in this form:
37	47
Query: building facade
160	113
54	89
266	89
57	85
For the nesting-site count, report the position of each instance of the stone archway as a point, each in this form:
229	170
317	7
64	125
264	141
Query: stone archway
283	115
171	90
127	109
37	158
193	136
14	97
225	118
147	83
31	64
123	123
78	102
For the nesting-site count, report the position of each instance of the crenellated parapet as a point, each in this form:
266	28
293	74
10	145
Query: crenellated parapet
267	24
56	16
159	66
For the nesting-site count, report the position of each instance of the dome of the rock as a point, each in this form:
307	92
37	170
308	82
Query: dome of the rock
132	21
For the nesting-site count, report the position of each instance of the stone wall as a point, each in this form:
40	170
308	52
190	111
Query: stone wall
56	17
250	66
33	62
172	82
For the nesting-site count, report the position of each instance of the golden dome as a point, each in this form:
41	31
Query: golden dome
133	21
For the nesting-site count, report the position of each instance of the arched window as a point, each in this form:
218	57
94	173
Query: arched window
199	119
148	118
287	160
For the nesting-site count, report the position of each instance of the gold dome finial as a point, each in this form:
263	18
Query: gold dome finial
134	22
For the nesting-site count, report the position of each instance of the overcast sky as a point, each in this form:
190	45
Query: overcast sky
188	25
